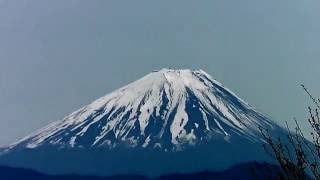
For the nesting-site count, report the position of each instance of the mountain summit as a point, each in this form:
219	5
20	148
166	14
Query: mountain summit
166	109
168	121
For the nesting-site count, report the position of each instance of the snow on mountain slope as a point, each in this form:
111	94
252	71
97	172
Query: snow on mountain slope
168	110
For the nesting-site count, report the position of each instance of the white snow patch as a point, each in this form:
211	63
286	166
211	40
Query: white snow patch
146	142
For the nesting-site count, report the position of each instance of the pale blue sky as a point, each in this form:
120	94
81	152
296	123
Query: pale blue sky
56	56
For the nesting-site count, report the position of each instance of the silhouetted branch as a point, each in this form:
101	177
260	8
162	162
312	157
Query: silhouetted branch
297	156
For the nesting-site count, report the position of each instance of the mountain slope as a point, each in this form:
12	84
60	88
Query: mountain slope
166	122
167	109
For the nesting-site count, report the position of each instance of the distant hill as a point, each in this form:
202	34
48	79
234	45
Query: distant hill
252	170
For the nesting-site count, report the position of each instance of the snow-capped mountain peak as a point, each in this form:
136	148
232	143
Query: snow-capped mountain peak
166	109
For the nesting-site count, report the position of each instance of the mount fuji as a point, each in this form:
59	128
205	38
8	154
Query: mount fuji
167	121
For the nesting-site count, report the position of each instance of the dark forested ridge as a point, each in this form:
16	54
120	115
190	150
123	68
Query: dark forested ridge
251	170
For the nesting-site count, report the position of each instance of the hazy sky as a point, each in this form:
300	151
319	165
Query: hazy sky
56	56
